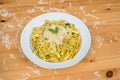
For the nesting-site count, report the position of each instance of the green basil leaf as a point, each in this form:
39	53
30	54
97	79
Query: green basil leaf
54	31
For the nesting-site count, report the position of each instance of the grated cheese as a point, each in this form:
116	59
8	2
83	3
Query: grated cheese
4	62
53	78
92	16
10	26
30	10
84	20
108	5
79	79
92	51
57	9
4	13
70	4
87	14
97	74
57	38
6	41
24	77
96	23
55	72
41	2
94	10
90	1
12	56
35	70
100	41
82	9
61	1
68	78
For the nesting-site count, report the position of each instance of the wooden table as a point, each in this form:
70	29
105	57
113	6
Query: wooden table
102	18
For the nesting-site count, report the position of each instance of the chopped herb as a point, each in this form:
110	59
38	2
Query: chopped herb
47	56
54	31
67	24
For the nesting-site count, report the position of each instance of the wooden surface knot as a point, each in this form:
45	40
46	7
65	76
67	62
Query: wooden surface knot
2	20
109	74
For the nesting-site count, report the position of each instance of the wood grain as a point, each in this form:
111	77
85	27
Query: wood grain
102	18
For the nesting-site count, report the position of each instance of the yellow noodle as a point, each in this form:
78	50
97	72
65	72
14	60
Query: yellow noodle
55	52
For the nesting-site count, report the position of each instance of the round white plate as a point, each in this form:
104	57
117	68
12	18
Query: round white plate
26	33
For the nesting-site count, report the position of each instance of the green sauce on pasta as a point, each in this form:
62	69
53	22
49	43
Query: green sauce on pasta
55	41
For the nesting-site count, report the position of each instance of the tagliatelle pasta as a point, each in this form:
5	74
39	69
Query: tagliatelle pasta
55	41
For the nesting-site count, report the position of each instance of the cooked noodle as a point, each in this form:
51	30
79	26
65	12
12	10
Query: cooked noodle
55	41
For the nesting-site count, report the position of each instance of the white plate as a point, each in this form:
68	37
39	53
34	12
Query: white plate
84	32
